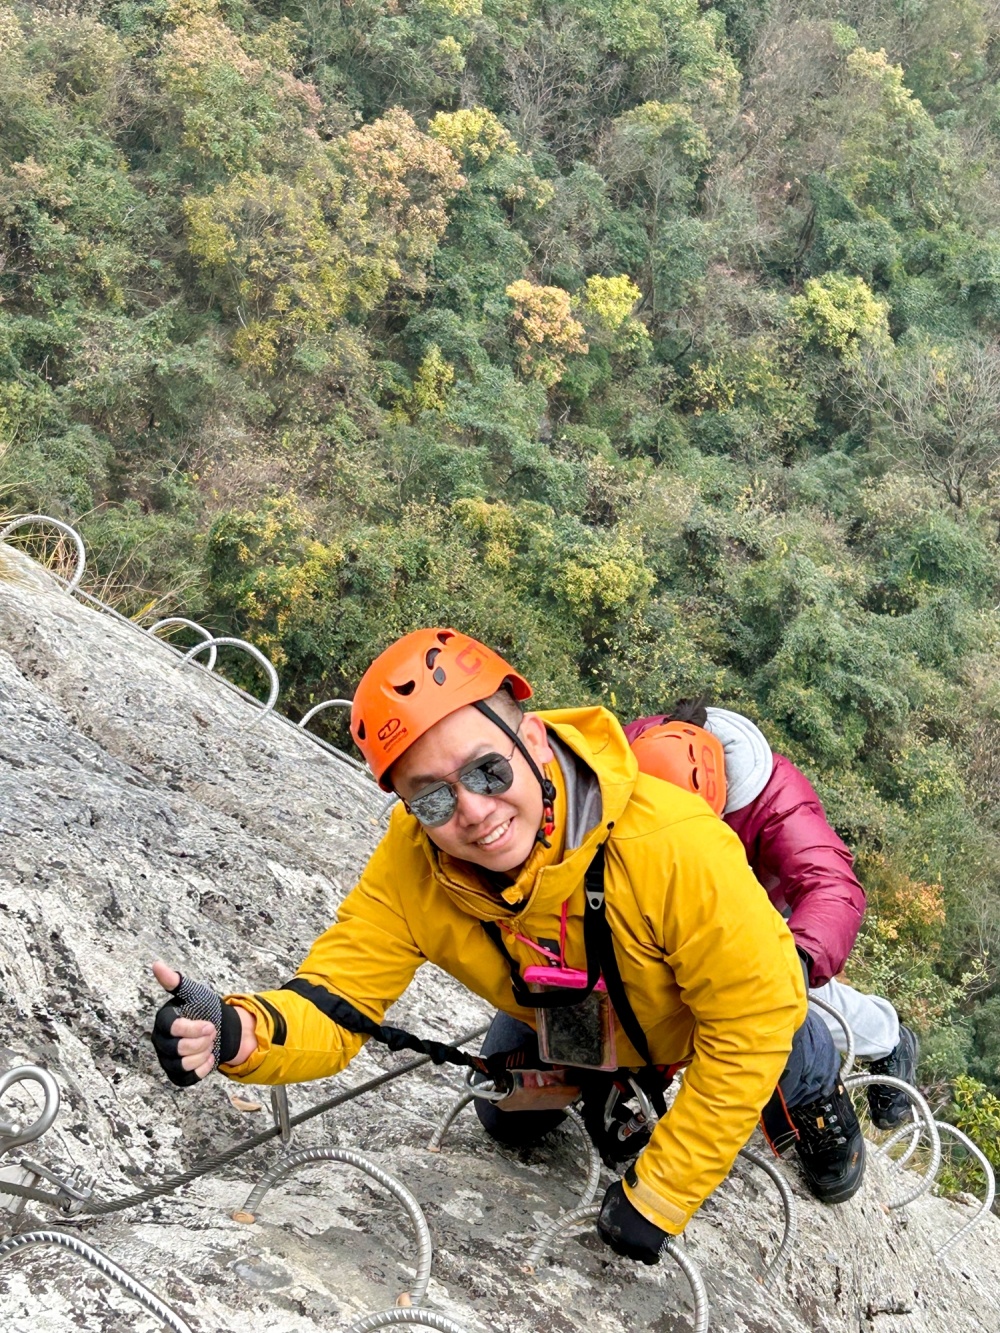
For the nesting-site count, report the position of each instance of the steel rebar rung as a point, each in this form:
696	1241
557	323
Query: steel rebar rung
146	1298
580	1217
248	1212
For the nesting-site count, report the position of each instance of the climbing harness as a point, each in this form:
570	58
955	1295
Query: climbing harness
602	964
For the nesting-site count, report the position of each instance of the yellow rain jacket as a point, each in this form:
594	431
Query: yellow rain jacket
708	964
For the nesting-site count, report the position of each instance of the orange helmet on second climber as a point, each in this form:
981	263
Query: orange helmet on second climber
686	755
417	681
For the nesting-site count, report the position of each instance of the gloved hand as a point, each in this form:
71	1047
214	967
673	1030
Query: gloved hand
198	1003
624	1228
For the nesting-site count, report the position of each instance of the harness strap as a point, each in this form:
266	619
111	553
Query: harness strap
616	988
601	960
555	999
346	1016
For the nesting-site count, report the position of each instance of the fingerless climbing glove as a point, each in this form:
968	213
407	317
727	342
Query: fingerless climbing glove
193	999
624	1228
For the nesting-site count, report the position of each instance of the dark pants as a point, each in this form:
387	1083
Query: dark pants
811	1072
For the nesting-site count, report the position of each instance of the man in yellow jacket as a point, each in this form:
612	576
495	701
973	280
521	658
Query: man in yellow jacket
484	871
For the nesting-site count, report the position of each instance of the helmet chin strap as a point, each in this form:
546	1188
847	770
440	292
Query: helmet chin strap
548	789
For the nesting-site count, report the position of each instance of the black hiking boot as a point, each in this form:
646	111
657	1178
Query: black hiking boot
889	1106
830	1146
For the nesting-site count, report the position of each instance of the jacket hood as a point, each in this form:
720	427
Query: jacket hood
749	760
594	773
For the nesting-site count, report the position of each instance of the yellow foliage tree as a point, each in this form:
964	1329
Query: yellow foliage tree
407	178
472	132
610	300
289	260
544	330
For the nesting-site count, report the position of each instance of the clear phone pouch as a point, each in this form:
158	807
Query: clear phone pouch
576	1034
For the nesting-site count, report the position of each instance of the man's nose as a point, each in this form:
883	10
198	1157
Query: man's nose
472	809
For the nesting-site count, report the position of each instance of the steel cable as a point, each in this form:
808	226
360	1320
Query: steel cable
248	1213
101	1207
168	1317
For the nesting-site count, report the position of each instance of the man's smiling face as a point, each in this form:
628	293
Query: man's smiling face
496	832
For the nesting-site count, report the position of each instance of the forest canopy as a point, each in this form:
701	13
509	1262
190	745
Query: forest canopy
656	342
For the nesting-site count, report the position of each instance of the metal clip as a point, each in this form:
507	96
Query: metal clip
279	1109
73	1193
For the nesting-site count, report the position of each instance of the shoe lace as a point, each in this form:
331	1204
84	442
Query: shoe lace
820	1125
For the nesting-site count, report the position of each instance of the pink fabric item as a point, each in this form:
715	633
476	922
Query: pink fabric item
801	862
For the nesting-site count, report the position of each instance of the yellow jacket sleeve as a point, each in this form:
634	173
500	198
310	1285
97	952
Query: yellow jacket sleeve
367	957
735	965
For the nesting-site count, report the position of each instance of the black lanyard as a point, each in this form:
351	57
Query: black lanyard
601	961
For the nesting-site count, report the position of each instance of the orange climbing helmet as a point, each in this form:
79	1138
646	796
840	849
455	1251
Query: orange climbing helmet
416	682
686	755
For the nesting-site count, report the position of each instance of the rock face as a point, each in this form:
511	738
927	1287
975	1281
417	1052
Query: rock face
146	811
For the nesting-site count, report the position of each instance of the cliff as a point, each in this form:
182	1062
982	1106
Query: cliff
146	810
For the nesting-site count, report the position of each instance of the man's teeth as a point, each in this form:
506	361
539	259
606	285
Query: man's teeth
497	833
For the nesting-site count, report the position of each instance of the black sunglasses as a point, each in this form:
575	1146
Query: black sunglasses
490	776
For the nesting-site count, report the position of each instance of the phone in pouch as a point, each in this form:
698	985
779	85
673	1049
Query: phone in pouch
574	1034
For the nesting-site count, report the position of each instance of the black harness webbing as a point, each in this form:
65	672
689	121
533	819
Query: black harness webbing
601	961
346	1016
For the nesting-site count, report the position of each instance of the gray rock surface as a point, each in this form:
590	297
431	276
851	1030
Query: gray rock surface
144	811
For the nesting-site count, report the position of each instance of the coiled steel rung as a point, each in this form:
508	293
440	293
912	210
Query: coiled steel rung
791	1221
248	1213
167	1316
418	1318
561	1229
81	553
589	1193
925	1181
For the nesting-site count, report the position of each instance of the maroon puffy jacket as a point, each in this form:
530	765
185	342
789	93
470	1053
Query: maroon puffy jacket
800	861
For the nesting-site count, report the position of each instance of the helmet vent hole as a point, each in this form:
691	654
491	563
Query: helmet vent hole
361	730
407	688
444	635
431	657
439	676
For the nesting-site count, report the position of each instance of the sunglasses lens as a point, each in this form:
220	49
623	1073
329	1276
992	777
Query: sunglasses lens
434	807
489	777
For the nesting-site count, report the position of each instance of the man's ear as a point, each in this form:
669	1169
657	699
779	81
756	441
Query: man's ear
536	738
